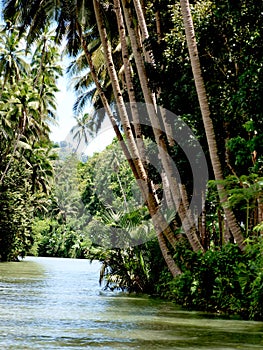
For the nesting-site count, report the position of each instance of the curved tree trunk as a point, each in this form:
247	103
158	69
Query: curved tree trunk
159	135
130	87
117	90
149	58
144	30
105	103
208	124
143	182
128	78
173	268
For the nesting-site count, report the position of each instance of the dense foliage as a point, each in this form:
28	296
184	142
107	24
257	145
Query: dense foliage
28	86
221	281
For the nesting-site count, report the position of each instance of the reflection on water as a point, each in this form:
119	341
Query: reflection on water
50	303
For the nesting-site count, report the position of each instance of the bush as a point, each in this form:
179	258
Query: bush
223	281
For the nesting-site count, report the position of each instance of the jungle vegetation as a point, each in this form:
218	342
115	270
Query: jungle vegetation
151	67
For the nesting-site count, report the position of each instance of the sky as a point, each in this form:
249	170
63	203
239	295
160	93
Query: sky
65	121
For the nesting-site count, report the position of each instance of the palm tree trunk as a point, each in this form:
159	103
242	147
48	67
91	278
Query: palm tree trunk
149	58
173	268
107	107
158	133
105	102
116	89
158	21
144	30
208	124
128	78
130	87
143	182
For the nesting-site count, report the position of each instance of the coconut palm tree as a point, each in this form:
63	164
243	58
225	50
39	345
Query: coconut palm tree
46	70
159	222
186	220
128	79
208	124
29	102
13	64
84	130
73	21
20	108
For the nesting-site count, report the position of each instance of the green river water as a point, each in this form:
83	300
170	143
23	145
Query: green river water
51	303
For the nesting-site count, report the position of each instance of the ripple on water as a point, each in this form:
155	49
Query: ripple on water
49	303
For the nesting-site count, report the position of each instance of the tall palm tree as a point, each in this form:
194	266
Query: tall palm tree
208	124
145	183
186	221
128	79
149	58
29	102
12	56
46	70
21	108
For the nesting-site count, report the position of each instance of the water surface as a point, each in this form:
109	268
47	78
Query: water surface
52	303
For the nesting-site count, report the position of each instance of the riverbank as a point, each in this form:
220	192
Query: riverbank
225	282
